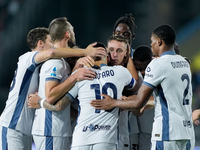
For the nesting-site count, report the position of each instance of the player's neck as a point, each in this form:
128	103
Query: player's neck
37	49
60	44
98	63
165	48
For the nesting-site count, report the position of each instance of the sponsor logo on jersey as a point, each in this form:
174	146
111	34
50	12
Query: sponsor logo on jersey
157	135
148	69
148	75
97	127
54	72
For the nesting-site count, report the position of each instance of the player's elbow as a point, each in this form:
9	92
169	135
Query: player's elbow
50	100
58	108
138	105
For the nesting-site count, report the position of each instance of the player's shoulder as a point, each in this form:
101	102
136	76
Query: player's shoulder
27	59
55	61
156	62
119	67
120	70
27	55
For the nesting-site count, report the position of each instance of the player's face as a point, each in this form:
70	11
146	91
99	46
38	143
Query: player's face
141	66
48	43
72	40
118	51
123	30
154	45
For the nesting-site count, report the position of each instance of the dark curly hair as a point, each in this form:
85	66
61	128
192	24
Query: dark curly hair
126	19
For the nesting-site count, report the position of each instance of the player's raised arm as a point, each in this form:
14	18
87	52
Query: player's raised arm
131	67
69	52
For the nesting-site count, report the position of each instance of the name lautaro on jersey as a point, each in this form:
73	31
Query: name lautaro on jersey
105	74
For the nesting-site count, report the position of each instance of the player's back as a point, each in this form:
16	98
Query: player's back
99	125
173	99
48	123
109	80
17	115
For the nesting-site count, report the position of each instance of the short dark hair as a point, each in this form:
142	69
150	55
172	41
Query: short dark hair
142	53
35	35
166	33
57	28
126	19
99	44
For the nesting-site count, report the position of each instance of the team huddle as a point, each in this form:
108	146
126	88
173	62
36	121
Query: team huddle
102	97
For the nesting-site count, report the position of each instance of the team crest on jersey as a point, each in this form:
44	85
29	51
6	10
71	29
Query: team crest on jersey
148	69
97	127
54	72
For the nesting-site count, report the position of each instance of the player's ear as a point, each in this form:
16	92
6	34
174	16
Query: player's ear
40	43
159	41
67	34
108	57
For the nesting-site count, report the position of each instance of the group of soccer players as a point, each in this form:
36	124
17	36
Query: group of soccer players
106	120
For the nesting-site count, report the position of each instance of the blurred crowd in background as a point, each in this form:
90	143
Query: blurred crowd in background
8	9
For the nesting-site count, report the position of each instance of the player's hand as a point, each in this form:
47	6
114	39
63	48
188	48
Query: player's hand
196	122
95	51
85	61
149	105
123	98
84	74
195	116
106	103
33	101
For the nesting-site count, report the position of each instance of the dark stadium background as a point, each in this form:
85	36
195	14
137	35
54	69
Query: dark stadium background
93	20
